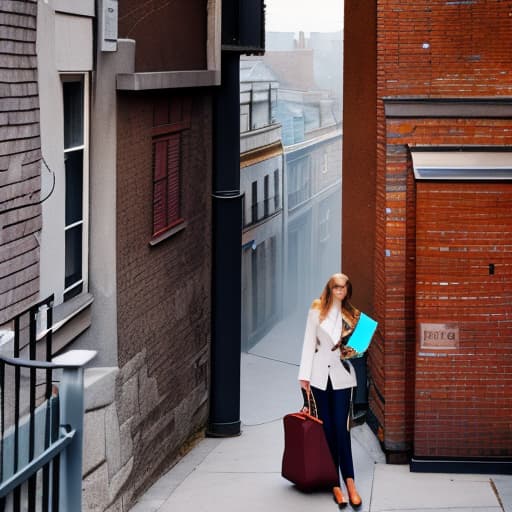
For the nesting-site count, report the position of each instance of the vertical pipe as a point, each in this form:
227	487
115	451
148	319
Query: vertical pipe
71	401
224	417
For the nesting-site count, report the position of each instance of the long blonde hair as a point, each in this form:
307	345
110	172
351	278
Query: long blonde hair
325	301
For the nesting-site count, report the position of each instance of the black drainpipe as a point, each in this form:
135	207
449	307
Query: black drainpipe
224	418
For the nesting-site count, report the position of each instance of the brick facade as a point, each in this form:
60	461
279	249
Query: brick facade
164	289
435	240
20	159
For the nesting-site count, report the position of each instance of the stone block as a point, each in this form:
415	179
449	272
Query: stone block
113	440
126	441
132	367
99	385
94	440
95	490
117	506
119	479
128	402
148	393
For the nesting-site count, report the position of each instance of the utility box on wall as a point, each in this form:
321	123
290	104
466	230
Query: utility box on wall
243	25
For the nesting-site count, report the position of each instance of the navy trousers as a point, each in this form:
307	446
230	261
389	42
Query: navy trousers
333	409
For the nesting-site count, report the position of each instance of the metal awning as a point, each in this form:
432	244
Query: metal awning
461	165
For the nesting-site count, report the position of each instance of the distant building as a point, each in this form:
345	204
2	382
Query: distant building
292	197
261	182
426	225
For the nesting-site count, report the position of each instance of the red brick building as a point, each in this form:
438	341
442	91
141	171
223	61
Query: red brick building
427	222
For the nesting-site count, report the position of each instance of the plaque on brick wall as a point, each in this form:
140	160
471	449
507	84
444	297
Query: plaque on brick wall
439	336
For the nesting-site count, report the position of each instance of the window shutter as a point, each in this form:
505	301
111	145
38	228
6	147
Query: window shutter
166	182
173	173
159	186
171	116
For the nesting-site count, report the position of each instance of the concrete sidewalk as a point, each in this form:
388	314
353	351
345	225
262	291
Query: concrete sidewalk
244	473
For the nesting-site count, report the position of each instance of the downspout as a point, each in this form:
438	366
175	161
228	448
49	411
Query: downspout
224	417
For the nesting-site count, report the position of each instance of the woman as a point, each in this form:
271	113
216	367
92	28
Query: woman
330	321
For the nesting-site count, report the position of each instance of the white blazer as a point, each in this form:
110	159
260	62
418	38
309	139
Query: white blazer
318	361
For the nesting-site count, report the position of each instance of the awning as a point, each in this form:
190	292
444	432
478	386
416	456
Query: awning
434	164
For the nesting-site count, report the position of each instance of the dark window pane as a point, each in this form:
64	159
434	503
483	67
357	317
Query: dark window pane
77	290
276	189
73	93
254	201
74	162
73	255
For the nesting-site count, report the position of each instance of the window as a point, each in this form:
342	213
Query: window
254	202
266	198
245	118
76	174
171	116
276	189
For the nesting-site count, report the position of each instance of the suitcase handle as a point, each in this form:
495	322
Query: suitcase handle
309	399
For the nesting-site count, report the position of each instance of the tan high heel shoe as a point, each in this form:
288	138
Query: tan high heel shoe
339	498
353	495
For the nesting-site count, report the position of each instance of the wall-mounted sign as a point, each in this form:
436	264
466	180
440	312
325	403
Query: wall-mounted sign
439	336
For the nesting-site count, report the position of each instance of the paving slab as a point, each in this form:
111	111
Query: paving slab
268	389
395	488
249	492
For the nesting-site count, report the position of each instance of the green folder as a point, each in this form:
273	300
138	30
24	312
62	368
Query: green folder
363	333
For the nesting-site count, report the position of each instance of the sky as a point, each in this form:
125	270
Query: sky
306	15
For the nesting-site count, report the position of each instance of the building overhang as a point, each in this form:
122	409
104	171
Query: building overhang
448	163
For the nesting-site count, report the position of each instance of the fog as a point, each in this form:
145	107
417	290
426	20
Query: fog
290	116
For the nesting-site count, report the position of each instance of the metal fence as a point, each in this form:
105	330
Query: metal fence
41	452
41	418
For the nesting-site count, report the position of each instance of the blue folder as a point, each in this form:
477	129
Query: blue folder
363	333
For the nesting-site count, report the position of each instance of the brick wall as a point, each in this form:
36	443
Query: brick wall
464	394
429	50
164	290
20	158
393	363
439	48
152	22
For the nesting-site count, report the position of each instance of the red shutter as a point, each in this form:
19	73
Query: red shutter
166	182
170	118
159	186
173	177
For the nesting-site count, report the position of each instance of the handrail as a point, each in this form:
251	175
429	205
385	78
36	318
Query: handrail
68	446
36	464
71	359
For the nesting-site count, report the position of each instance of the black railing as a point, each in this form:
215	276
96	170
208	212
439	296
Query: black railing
40	417
41	451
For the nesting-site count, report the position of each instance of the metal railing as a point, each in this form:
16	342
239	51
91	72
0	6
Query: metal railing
41	436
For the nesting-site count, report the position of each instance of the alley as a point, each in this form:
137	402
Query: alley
244	473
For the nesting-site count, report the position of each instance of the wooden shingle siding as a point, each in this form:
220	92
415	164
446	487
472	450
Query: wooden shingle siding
20	158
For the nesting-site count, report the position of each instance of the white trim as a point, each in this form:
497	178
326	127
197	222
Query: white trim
70	226
85	77
74	285
74	148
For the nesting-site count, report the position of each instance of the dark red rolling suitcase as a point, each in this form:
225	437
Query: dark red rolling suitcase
307	461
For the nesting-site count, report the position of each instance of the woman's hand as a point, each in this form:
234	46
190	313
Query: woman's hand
347	352
304	384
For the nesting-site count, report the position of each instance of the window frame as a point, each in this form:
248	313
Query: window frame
84	78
